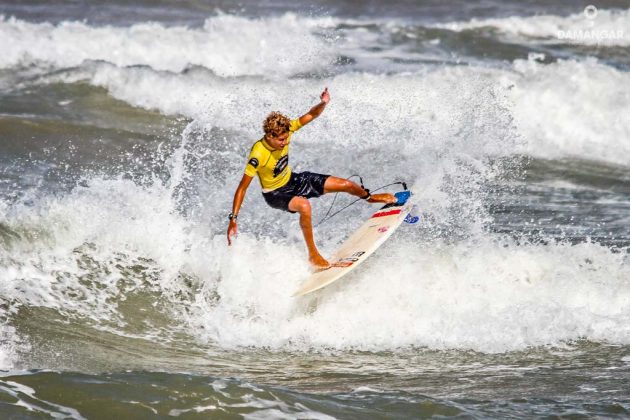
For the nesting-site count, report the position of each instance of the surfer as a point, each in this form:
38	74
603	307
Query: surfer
286	190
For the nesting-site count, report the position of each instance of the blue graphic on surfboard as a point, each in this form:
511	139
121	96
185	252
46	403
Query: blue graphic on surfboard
412	220
371	235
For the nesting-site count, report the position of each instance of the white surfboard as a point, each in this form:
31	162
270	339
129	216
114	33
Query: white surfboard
360	245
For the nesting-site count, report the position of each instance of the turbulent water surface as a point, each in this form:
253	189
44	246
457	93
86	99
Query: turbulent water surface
124	131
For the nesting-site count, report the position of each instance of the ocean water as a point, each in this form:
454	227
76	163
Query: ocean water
124	131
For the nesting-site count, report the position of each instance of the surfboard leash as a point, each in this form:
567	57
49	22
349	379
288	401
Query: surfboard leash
329	216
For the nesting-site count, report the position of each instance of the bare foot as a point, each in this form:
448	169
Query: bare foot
318	262
382	198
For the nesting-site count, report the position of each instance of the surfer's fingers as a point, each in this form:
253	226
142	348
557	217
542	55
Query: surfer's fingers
231	232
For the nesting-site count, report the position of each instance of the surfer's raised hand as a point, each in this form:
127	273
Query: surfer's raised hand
317	109
231	231
325	96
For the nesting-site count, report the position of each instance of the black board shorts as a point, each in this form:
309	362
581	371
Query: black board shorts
303	184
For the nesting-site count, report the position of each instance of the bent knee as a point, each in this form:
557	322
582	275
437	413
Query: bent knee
301	205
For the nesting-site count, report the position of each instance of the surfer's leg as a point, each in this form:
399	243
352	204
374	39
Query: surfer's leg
302	206
334	184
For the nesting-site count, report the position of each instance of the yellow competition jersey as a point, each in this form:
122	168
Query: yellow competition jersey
272	166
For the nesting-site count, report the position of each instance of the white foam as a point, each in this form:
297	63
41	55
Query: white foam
7	347
479	293
563	109
407	108
571	108
106	220
609	27
483	296
568	108
227	45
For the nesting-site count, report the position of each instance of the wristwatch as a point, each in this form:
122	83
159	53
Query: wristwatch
232	216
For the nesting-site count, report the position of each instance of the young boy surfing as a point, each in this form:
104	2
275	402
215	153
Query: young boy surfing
286	190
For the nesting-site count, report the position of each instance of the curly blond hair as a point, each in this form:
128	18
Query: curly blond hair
276	124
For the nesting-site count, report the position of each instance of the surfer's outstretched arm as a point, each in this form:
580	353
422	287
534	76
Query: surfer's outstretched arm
239	195
317	109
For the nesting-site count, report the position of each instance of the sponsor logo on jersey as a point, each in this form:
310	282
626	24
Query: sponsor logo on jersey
253	162
280	165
